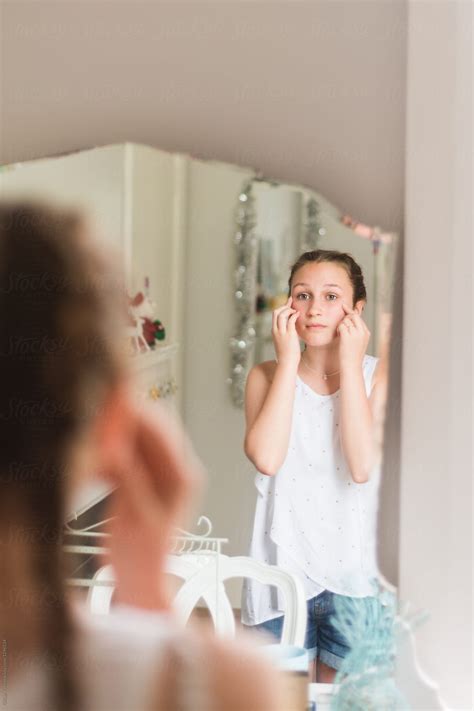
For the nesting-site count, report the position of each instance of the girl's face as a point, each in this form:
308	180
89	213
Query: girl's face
318	292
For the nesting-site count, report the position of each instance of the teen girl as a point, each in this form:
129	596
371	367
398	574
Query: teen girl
310	434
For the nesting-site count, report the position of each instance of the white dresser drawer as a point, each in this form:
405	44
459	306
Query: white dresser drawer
154	375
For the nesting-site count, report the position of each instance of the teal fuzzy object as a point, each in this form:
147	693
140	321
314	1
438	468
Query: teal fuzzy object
366	676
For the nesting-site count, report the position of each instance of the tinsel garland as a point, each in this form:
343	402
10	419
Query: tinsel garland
312	227
242	345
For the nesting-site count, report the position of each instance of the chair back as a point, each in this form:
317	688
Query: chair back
221	568
204	577
184	566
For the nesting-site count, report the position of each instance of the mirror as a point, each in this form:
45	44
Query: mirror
217	265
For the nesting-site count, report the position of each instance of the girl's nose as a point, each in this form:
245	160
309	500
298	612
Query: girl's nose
314	307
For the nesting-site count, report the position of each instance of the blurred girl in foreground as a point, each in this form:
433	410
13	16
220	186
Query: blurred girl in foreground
66	413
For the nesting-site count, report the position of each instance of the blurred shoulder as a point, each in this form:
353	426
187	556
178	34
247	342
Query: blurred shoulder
106	634
229	675
242	680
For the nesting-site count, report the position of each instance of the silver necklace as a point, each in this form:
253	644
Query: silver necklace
324	376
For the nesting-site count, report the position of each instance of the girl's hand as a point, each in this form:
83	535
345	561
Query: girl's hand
156	473
354	338
285	337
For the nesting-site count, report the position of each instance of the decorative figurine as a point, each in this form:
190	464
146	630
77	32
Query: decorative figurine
144	329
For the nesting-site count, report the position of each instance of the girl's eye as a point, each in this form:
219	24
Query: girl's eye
302	296
331	297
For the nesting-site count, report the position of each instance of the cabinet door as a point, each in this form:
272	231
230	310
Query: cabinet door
153	224
92	180
155	228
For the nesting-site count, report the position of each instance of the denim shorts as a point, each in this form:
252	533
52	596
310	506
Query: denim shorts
322	639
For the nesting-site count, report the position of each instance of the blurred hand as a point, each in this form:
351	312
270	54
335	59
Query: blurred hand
354	338
156	473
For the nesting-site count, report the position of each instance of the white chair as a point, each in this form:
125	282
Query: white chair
184	566
101	590
187	567
204	578
210	579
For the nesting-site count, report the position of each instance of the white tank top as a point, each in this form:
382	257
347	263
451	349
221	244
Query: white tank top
119	658
311	518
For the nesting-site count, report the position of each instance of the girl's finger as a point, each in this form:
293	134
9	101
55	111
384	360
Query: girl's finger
292	321
354	318
274	321
282	308
283	317
363	325
346	308
276	313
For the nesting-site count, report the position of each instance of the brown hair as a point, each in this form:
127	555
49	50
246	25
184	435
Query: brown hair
343	259
61	307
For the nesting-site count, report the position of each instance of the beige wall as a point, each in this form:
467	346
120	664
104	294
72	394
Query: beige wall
436	434
309	92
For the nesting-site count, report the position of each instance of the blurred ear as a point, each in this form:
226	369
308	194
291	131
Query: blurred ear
359	307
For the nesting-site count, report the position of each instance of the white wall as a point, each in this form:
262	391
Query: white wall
436	487
215	424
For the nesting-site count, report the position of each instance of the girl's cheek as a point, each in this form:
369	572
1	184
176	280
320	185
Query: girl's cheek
335	308
339	314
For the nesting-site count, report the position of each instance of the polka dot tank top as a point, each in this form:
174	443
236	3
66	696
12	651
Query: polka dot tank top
311	518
